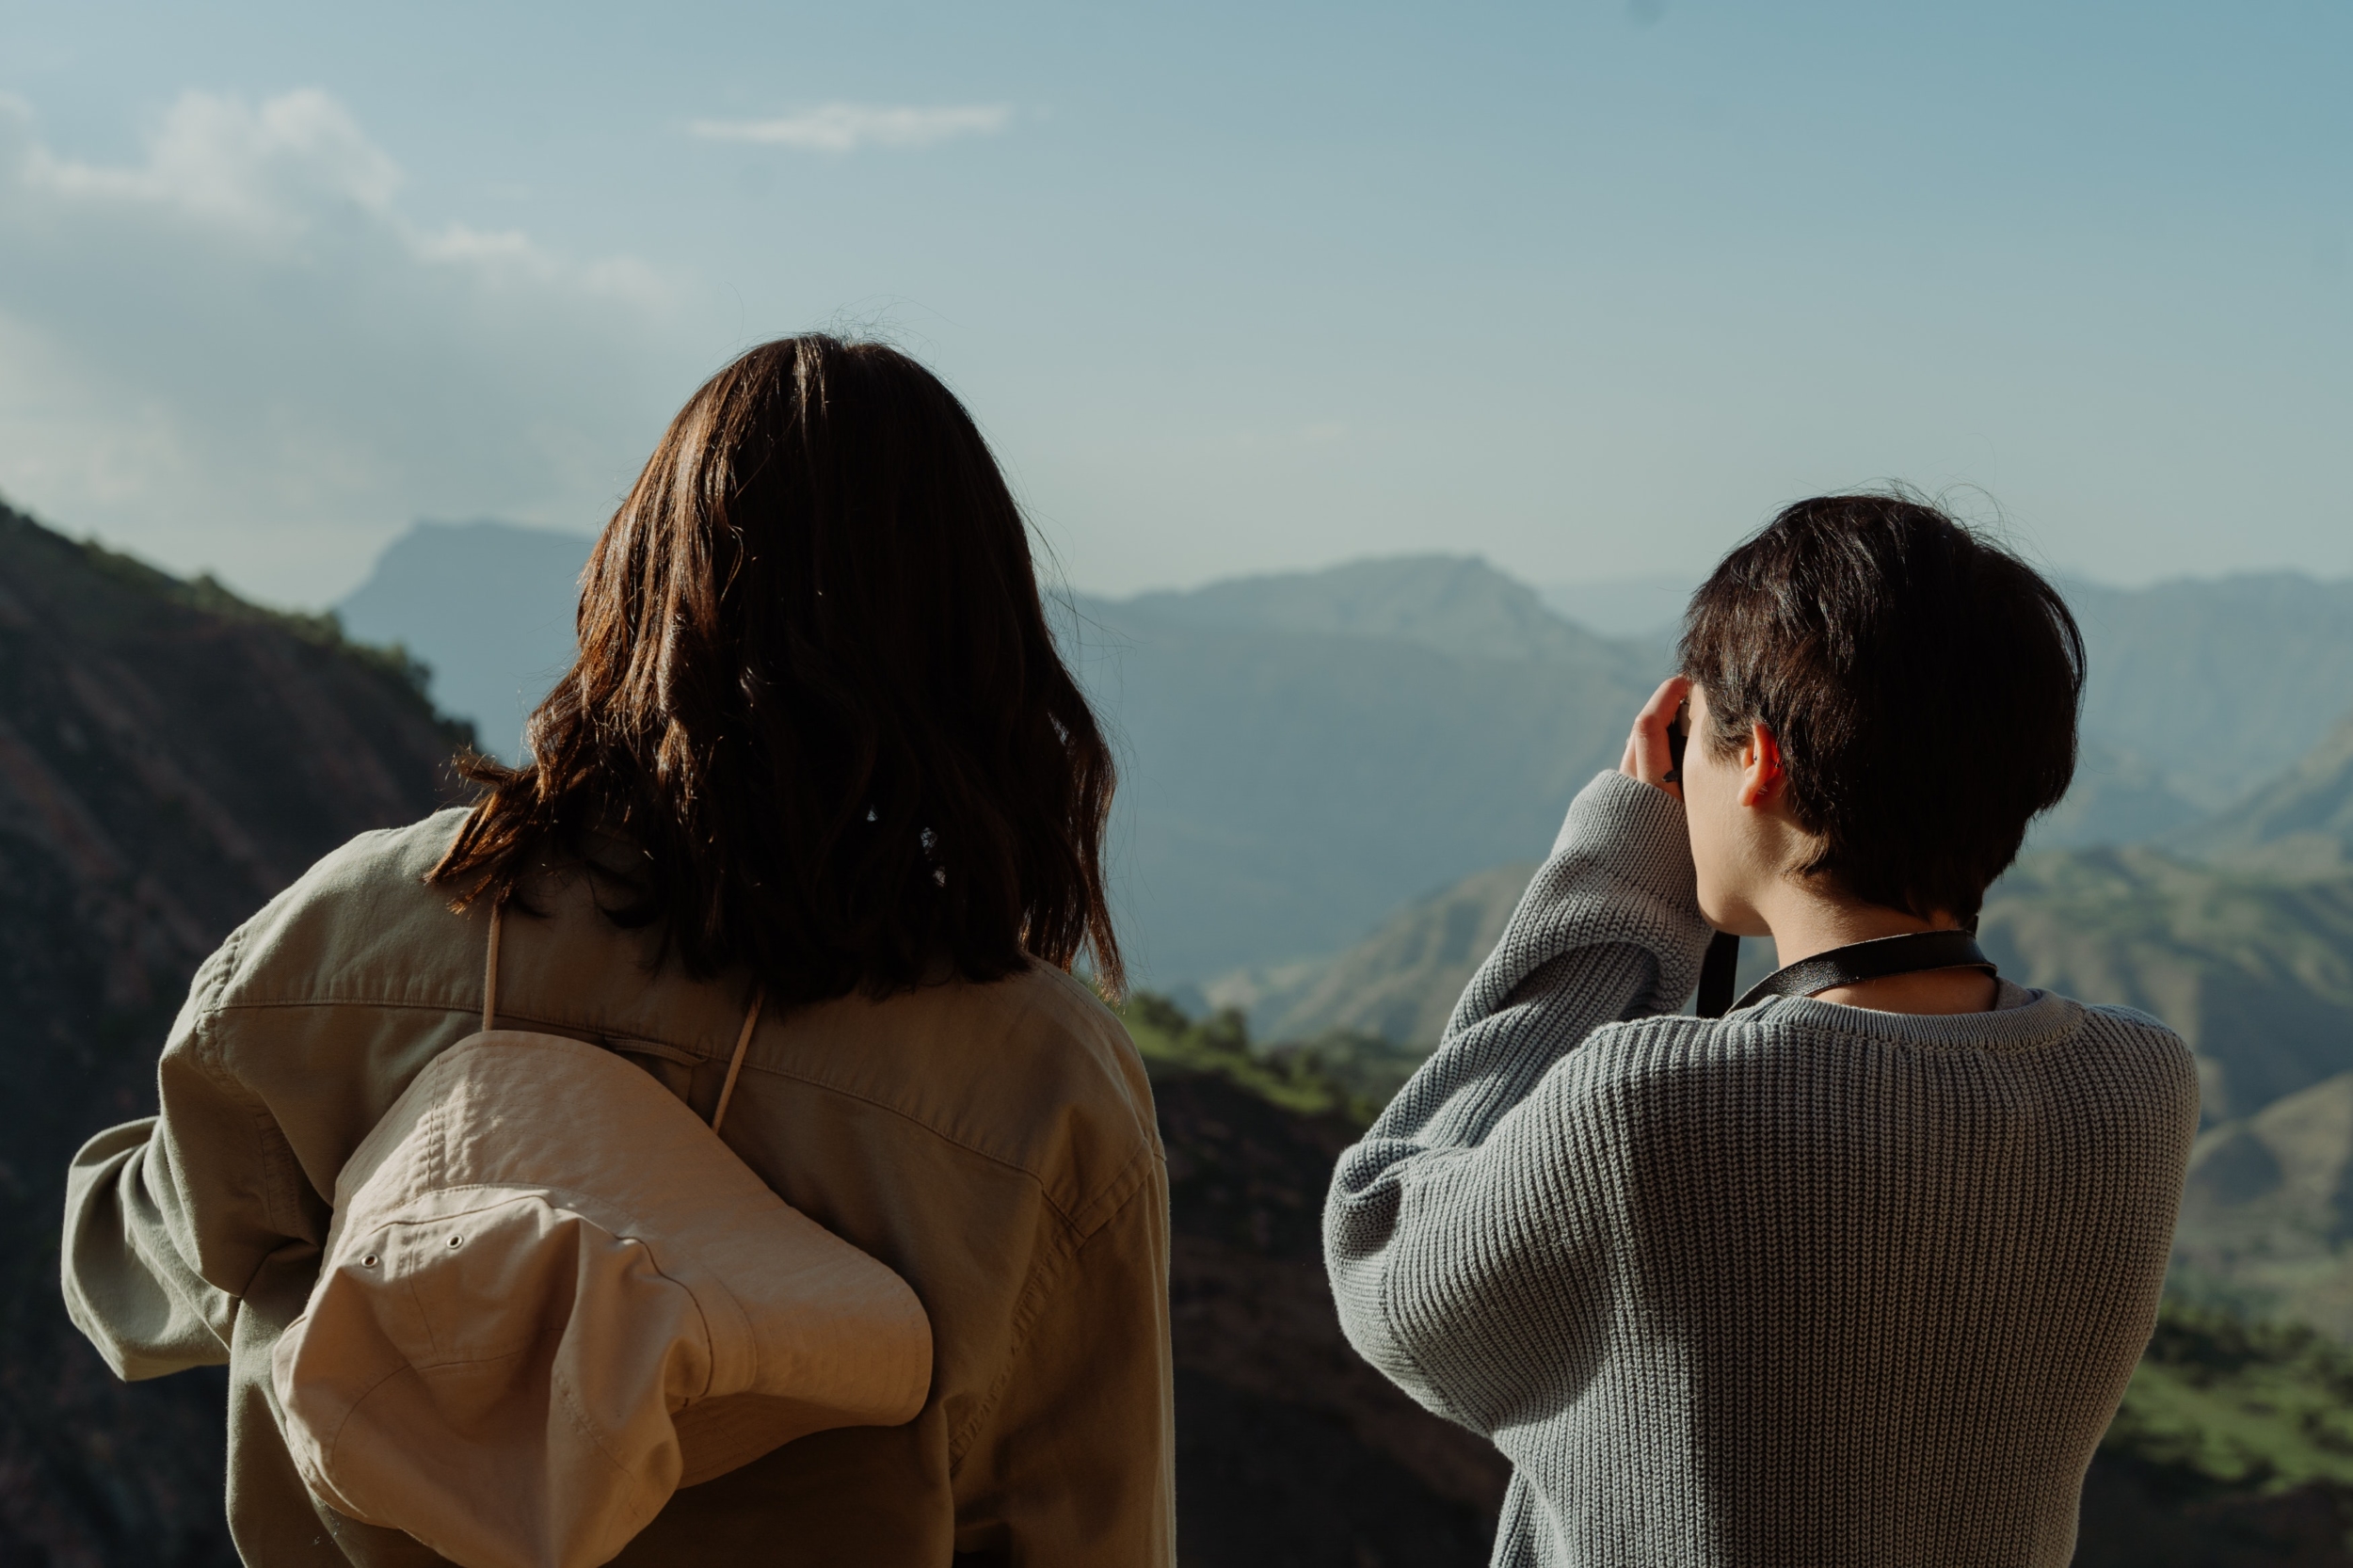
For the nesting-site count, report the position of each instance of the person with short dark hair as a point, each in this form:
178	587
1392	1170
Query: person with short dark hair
1856	1272
817	749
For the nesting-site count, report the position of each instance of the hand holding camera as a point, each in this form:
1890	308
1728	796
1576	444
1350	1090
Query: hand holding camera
1654	752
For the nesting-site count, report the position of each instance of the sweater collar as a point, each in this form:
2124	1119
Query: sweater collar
2020	1018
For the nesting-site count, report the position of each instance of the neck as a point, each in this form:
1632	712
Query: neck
1804	922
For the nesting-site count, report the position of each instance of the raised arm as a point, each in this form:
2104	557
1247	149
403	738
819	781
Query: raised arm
1469	1217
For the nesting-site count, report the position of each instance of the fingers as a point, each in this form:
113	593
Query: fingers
1649	757
1663	702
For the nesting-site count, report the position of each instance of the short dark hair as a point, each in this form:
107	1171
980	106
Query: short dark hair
816	693
1922	681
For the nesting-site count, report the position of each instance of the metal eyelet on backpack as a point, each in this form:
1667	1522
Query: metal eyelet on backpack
455	1240
370	1261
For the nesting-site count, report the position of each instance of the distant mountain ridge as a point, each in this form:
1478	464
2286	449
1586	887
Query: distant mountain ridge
487	605
1457	604
1303	755
2220	683
1305	752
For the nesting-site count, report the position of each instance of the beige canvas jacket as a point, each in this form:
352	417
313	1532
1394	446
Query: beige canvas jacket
994	1144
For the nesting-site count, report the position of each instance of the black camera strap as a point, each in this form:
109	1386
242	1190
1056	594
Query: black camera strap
1910	954
1718	971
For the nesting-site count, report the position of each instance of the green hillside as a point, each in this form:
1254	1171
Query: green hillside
2233	1449
2240	1401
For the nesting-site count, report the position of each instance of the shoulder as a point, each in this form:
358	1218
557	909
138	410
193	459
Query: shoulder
1031	1071
359	918
2133	1024
2167	1060
1050	1036
1677	1066
1664	1045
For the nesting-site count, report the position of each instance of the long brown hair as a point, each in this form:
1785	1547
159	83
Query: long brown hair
817	698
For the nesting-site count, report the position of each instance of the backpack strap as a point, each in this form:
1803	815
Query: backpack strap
735	1062
490	971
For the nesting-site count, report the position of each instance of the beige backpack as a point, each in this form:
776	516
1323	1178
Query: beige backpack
551	1296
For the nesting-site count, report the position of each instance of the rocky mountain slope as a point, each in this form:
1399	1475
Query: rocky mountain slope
2267	1218
2268	1211
169	758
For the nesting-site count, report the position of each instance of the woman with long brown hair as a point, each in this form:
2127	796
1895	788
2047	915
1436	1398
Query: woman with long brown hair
811	832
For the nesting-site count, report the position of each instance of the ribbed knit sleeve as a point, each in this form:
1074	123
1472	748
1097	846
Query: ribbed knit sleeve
1433	1216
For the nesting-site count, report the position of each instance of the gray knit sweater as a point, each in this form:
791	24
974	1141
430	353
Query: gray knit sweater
1809	1285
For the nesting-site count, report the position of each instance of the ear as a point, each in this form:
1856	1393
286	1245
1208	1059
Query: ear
1761	773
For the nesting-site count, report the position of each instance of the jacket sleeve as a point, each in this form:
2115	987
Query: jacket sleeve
167	1220
1465	1234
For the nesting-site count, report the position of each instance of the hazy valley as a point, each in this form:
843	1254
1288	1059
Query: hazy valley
1336	785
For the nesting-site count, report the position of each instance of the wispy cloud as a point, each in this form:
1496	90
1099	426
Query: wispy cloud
239	351
847	127
261	167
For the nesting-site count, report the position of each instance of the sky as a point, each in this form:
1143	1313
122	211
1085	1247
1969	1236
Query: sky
1589	289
